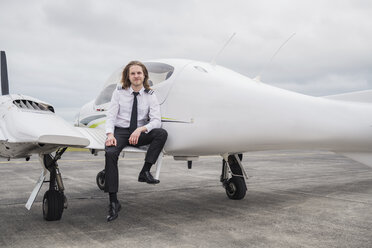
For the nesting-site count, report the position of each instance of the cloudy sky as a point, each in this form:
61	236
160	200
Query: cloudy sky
63	51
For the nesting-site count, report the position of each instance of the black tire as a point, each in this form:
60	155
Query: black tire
100	180
53	205
235	188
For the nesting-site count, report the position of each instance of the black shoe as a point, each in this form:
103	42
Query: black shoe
114	209
147	177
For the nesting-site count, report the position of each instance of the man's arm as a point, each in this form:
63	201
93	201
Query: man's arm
154	114
112	112
111	117
133	139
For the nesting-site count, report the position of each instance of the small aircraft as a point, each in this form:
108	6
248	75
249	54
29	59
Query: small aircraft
206	109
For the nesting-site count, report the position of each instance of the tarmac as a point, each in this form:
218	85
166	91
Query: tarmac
294	199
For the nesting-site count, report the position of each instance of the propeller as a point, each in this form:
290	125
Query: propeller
4	75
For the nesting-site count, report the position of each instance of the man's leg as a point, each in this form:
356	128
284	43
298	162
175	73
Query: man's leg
112	172
112	156
156	138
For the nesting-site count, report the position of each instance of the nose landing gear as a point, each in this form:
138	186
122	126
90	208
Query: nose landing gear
235	188
232	177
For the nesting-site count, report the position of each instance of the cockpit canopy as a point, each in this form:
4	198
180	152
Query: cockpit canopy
105	95
158	73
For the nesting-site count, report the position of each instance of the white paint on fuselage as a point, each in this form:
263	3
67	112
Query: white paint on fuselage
233	113
228	112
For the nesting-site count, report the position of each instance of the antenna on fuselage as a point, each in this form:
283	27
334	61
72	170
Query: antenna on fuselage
258	77
213	62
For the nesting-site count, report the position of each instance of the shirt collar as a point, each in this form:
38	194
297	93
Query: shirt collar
140	92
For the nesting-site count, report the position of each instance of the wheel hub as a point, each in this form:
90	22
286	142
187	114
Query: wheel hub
231	188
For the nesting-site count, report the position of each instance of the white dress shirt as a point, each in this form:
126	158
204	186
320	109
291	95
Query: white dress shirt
120	110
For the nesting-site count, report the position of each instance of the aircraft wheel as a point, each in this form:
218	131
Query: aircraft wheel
100	179
235	188
53	203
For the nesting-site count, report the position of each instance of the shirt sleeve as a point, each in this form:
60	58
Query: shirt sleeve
154	114
112	112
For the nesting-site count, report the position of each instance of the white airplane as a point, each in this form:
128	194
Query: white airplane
206	109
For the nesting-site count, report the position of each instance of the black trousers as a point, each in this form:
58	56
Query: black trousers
156	138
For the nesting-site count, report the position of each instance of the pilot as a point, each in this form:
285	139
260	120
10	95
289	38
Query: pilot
134	119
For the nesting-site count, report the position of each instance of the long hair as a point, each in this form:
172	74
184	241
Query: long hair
125	75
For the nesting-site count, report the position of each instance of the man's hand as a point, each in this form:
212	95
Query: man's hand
110	141
133	139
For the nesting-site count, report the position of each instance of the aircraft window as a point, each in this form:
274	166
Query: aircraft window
158	72
105	95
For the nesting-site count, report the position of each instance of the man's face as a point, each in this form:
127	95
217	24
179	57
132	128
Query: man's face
136	75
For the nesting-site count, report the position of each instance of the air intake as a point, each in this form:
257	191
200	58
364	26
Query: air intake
31	105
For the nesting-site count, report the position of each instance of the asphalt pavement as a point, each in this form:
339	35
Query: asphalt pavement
294	199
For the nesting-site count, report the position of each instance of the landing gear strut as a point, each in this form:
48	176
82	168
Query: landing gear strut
54	200
232	176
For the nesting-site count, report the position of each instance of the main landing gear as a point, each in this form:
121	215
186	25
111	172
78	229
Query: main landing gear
100	179
54	200
233	175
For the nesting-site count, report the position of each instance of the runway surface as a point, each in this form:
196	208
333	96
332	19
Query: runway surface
294	199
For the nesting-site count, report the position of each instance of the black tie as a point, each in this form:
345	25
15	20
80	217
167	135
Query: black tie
133	117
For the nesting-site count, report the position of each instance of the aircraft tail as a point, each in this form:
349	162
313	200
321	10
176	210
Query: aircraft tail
4	75
357	96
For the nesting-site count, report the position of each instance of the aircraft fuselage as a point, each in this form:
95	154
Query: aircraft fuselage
210	110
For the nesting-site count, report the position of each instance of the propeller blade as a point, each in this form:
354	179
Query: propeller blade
4	75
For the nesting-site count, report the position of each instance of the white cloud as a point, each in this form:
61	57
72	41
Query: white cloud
63	51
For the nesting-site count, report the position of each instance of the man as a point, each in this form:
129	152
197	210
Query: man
133	119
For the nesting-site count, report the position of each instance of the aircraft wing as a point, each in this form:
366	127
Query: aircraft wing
30	126
96	137
358	96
